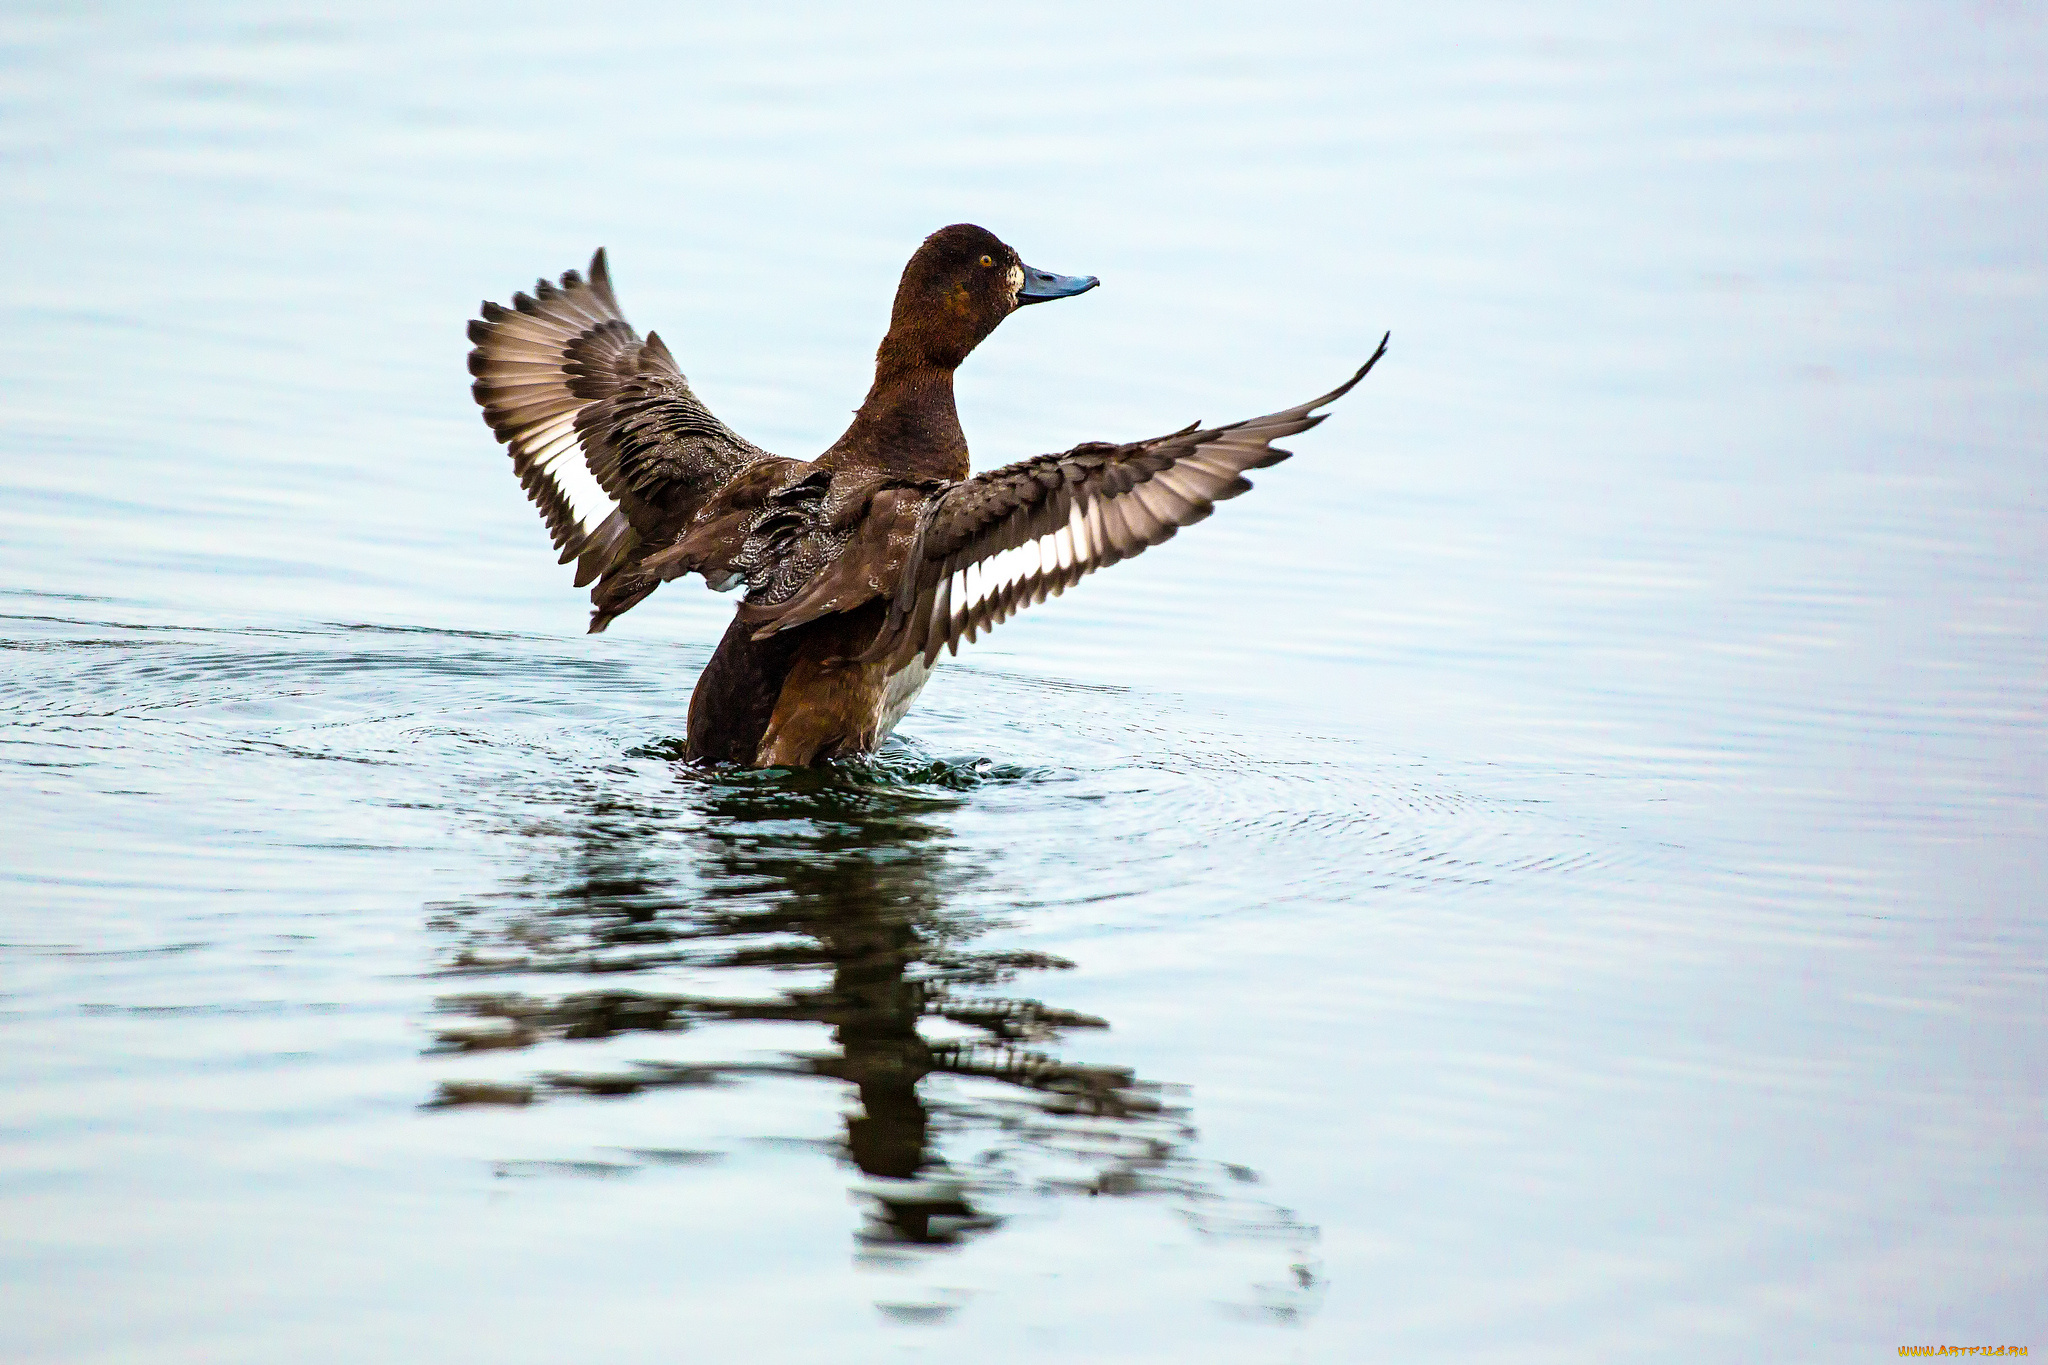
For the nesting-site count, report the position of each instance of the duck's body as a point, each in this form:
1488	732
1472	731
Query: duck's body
862	565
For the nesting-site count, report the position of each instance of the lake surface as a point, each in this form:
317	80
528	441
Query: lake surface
1555	874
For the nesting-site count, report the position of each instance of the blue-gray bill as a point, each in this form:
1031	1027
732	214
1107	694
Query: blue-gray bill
1043	285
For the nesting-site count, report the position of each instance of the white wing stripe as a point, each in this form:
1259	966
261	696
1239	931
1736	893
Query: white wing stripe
999	571
544	443
1046	551
588	502
1084	540
1023	563
1098	532
1046	563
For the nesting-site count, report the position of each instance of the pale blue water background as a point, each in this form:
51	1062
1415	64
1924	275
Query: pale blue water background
1570	845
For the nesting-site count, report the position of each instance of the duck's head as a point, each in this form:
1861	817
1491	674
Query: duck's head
959	286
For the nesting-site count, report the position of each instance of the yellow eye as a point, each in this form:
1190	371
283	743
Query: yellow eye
988	260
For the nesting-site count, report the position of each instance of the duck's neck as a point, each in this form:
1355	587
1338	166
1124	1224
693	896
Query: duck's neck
907	424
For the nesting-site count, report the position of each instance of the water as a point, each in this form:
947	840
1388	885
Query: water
1552	875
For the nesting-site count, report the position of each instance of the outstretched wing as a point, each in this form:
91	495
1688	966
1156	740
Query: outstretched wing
605	433
1012	537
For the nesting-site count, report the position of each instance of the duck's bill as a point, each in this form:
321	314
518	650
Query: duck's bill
1042	285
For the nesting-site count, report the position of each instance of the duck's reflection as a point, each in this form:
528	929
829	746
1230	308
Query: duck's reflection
845	875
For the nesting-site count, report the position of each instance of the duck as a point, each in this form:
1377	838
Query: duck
861	567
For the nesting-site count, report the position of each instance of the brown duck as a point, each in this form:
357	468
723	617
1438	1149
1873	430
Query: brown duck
862	565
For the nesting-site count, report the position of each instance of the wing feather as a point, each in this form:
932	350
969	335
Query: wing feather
519	363
1001	541
606	436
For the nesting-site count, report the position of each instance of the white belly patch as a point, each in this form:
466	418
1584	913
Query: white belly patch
899	692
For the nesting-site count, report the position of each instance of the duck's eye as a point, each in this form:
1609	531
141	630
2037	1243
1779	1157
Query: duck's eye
987	261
